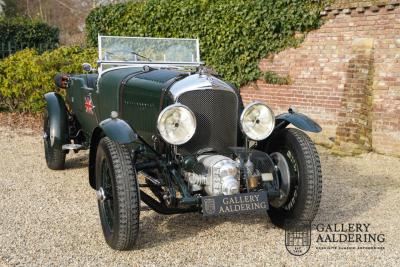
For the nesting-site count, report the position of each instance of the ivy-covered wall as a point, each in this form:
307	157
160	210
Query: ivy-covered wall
234	34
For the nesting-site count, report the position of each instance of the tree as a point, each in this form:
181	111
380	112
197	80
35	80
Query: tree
68	15
8	8
2	4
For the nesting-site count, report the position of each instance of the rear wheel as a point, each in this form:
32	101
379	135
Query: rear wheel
117	194
300	178
55	156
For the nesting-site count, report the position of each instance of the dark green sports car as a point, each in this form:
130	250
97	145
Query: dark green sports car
160	128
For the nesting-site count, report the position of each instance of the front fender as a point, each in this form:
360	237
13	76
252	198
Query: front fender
299	120
58	119
118	130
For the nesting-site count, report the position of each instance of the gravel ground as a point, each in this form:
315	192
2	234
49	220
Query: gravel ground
51	217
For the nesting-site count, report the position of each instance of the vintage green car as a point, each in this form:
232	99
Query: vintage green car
160	128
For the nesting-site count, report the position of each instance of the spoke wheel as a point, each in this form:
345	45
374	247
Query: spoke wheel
105	195
117	193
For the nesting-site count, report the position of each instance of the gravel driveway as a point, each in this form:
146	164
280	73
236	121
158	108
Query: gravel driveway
51	218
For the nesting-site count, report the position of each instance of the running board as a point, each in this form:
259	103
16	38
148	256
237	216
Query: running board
72	147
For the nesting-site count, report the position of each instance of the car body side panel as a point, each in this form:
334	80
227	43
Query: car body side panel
140	92
140	96
79	94
108	89
103	98
141	100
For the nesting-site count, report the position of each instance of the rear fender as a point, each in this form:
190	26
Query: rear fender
299	120
58	119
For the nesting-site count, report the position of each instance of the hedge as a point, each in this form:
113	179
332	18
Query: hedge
234	34
18	34
27	75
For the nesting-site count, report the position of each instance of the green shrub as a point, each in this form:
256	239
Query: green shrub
18	34
26	75
234	34
273	78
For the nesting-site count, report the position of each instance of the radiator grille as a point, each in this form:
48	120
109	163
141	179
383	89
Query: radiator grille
217	119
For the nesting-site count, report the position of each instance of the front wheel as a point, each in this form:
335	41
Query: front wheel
300	179
117	194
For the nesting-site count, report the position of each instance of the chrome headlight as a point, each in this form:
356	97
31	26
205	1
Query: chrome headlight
176	124
257	121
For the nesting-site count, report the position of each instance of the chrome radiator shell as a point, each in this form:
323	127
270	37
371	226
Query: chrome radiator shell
215	105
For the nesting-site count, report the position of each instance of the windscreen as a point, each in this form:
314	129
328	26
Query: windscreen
152	50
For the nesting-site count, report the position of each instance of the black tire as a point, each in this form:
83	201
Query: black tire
120	208
54	155
303	200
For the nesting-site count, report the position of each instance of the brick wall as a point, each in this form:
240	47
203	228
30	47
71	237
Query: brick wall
345	75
